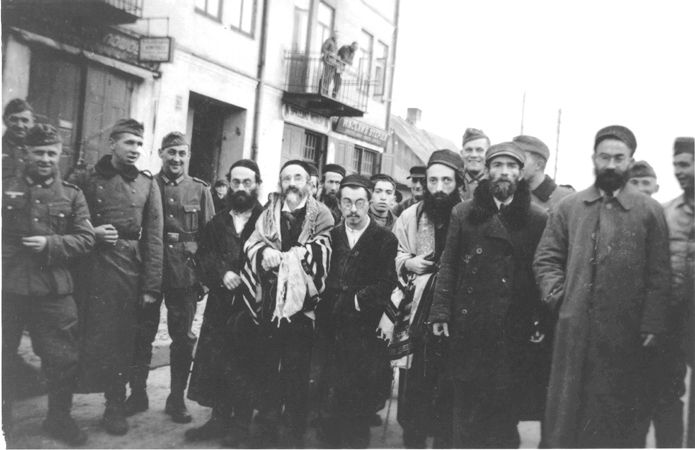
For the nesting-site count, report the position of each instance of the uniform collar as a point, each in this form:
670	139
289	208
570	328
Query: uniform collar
168	181
470	177
44	184
106	169
545	189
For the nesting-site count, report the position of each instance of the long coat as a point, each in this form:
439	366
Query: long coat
113	277
603	266
362	277
221	249
486	291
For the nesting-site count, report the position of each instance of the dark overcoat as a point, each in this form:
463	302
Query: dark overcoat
365	274
113	277
221	249
486	291
603	266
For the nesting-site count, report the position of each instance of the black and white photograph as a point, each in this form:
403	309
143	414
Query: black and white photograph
348	224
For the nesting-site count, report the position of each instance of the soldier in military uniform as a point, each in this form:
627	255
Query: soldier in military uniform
473	147
18	118
124	273
187	207
45	225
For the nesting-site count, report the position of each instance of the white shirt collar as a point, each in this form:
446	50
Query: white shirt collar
615	193
354	235
505	203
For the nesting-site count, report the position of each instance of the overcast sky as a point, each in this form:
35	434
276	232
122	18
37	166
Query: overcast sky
468	63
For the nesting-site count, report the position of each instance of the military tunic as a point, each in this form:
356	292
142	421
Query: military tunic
115	276
471	182
37	287
187	207
13	154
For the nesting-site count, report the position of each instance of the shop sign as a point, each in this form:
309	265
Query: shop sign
361	130
155	49
305	119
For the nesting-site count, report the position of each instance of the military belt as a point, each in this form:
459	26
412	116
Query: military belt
173	238
130	235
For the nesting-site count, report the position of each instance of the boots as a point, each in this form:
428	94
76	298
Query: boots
59	424
176	408
180	358
114	420
214	428
137	402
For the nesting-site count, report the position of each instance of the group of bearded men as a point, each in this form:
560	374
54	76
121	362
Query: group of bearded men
499	295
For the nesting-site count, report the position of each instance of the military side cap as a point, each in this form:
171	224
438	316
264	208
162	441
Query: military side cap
356	180
471	134
505	149
641	169
174	139
533	145
131	126
42	134
336	168
17	105
446	157
684	145
618	132
296	162
418	172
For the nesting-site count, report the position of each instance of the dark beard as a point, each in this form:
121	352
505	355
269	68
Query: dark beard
438	206
608	180
241	200
502	189
330	200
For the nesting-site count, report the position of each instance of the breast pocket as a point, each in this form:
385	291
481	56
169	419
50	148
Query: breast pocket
190	213
14	214
60	215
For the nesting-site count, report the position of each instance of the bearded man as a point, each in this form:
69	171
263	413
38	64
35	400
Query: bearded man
486	299
222	376
603	267
421	233
330	184
288	258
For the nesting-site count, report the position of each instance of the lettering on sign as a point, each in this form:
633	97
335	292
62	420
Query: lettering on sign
155	49
305	119
361	130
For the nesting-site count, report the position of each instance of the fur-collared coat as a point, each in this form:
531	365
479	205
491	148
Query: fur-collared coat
486	290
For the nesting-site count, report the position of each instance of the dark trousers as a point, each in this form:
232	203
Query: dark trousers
667	386
285	356
181	307
52	324
484	417
690	442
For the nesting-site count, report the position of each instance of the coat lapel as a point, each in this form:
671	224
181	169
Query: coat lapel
364	239
496	229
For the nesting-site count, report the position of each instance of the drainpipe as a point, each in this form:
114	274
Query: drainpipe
389	99
259	76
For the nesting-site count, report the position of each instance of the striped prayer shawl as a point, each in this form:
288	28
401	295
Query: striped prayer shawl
314	238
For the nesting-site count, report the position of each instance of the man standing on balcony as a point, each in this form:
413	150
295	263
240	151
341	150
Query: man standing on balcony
329	51
346	55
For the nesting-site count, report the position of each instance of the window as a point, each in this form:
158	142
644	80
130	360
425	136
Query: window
210	8
365	57
312	142
301	20
240	15
380	68
364	161
324	25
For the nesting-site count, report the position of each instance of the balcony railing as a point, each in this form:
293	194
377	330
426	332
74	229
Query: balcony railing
311	84
93	11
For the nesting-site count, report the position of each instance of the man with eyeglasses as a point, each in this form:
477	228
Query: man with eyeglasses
187	206
421	233
223	370
417	189
603	269
473	147
288	258
359	283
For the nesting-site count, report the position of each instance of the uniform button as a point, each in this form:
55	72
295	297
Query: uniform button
132	204
479	251
474	270
609	206
171	215
99	200
10	207
36	219
171	200
100	187
171	246
469	290
464	311
133	191
37	201
504	280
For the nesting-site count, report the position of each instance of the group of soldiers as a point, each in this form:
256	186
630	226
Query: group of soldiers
499	295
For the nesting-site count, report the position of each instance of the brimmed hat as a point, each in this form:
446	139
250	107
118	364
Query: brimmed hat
418	172
533	145
505	149
356	180
618	132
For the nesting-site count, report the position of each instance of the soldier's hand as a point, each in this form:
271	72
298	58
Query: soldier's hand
106	233
148	299
419	265
440	329
35	243
231	280
271	258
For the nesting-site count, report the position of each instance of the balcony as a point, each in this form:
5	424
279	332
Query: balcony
106	12
305	88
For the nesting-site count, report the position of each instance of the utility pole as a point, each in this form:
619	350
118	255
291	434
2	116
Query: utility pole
557	142
523	112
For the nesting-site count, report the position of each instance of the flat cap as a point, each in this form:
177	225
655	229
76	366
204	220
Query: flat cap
418	172
356	180
641	169
684	145
42	134
533	145
335	168
505	149
16	105
131	126
446	157
173	139
618	132
472	134
296	162
249	164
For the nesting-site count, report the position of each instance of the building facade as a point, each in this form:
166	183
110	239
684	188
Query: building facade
240	77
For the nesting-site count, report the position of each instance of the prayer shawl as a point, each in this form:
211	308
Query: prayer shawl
415	234
313	253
